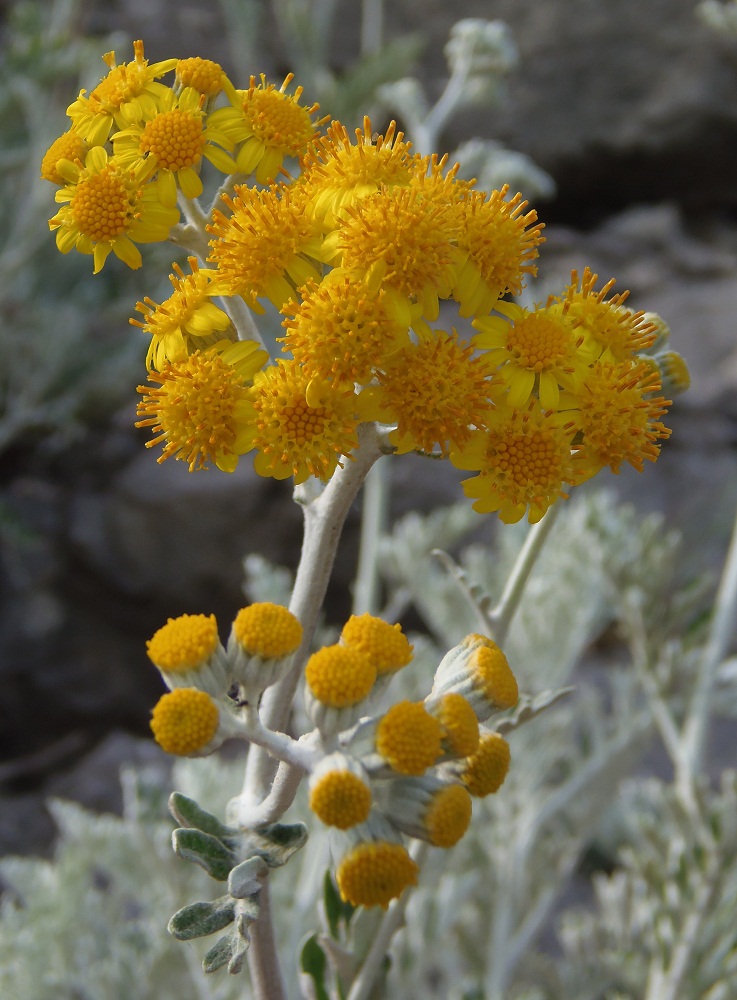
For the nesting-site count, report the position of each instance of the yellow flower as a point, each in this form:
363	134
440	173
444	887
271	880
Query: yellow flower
185	722
271	125
435	391
338	172
199	410
124	96
523	459
460	727
263	248
374	872
619	416
263	639
342	330
398	239
537	350
185	322
173	138
499	244
386	645
69	146
105	207
408	738
429	809
477	669
340	676
340	795
188	653
613	332
299	426
484	772
203	75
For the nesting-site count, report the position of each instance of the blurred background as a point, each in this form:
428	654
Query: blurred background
620	121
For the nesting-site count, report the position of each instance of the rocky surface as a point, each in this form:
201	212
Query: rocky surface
631	107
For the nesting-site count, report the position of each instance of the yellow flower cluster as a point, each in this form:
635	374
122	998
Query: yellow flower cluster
355	240
411	771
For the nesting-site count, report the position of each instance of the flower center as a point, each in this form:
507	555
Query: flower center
201	74
536	342
101	206
277	120
175	138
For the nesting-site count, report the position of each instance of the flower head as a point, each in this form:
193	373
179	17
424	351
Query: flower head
339	172
263	639
338	679
524	458
185	322
429	809
268	124
200	408
619	416
185	722
477	669
300	426
408	738
500	243
108	207
398	239
373	872
124	96
386	645
340	794
202	75
460	726
538	350
435	391
188	653
342	330
69	146
173	139
483	773
267	247
613	332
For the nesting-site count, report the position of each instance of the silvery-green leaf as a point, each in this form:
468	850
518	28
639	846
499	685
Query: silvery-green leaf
202	918
206	851
189	814
277	842
245	879
220	954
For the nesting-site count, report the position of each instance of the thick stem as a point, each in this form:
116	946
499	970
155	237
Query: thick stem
324	520
263	962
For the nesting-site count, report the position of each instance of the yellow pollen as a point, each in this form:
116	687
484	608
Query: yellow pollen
448	816
193	413
184	643
101	206
340	799
385	644
374	873
339	676
408	738
184	721
175	138
486	770
267	630
537	342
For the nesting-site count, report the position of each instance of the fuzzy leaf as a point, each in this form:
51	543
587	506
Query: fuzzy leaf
313	963
277	842
529	708
206	851
220	954
201	919
189	814
245	879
